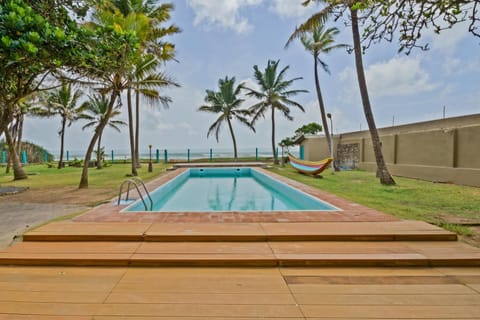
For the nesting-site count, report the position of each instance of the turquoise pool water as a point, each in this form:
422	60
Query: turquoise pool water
229	189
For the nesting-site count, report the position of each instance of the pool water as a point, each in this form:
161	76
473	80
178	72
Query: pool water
229	189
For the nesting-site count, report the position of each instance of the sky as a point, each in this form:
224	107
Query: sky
227	38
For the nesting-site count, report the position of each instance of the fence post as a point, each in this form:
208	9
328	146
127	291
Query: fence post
24	157
211	154
113	157
256	154
157	156
188	155
68	156
165	156
4	156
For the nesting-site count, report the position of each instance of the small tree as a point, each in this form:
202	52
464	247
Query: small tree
311	128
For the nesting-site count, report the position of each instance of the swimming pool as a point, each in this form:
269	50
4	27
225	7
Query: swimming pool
229	189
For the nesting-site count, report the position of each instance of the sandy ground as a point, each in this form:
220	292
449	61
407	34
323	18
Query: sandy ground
22	211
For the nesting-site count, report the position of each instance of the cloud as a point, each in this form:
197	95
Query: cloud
223	13
398	77
448	39
291	8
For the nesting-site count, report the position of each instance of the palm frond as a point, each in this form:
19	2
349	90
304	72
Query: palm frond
319	18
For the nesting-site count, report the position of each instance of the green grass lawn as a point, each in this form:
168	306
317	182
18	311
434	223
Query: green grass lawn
409	199
40	176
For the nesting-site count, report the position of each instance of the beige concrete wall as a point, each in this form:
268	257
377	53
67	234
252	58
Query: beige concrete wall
316	148
442	150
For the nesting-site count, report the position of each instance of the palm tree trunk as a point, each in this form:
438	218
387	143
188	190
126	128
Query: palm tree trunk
130	130
233	139
20	131
62	137
137	129
275	157
385	177
99	152
322	106
98	132
18	172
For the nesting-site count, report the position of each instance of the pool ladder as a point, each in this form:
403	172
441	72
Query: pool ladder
135	181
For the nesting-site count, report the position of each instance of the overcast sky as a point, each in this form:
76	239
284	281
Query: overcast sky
221	38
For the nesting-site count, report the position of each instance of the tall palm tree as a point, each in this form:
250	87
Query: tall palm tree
146	83
158	15
63	102
274	94
320	41
96	112
226	103
319	18
134	23
152	43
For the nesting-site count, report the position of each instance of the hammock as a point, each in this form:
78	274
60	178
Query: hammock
309	167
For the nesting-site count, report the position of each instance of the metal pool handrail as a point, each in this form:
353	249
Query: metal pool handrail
135	181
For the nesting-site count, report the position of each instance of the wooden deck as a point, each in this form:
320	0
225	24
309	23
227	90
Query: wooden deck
136	293
186	268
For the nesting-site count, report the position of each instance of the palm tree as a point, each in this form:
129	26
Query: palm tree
320	18
226	103
318	41
134	23
63	102
146	82
152	44
274	95
96	111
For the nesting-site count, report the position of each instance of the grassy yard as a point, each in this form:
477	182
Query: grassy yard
52	185
436	203
40	176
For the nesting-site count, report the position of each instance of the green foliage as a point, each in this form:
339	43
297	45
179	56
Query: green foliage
311	128
35	153
287	142
76	163
407	20
226	104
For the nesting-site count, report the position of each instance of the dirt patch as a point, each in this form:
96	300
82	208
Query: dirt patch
473	240
464	221
65	195
11	190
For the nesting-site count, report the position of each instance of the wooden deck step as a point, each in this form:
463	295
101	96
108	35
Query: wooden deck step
242	232
299	253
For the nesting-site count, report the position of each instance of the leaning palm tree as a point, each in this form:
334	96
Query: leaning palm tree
96	110
63	102
337	8
226	103
320	41
273	94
